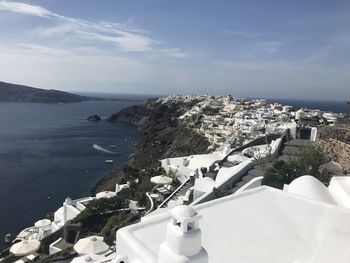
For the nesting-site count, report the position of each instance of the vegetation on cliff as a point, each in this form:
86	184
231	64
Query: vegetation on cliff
307	162
163	137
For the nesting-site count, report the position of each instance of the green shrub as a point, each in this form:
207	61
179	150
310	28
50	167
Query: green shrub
86	217
98	207
114	223
125	193
307	163
105	205
137	191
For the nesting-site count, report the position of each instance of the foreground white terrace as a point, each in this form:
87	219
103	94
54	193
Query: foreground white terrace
259	225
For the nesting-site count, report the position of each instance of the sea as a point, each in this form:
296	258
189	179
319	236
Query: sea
47	153
328	106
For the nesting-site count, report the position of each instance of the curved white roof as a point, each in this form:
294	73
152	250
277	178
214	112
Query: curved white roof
310	187
183	212
244	228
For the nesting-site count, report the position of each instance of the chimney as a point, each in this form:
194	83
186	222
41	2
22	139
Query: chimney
183	238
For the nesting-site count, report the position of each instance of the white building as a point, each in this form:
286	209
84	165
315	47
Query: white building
183	167
259	225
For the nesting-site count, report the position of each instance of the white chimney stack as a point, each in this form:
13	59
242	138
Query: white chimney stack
183	239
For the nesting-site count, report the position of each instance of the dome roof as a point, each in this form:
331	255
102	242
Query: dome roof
310	187
183	212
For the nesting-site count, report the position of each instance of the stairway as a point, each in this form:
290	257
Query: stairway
177	197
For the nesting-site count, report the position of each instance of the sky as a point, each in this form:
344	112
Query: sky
246	48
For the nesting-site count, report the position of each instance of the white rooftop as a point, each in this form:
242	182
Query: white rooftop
197	161
260	225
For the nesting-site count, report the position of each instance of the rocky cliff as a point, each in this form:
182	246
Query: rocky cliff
163	137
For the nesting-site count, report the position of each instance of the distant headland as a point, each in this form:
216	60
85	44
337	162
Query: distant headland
19	93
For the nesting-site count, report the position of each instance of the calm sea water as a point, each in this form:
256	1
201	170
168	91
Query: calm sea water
333	106
46	150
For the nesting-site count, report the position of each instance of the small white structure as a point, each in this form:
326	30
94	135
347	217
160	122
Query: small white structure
41	229
258	151
91	245
105	194
161	180
25	247
313	135
43	223
53	248
183	243
183	167
300	114
69	210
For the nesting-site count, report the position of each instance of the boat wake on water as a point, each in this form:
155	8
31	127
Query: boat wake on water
99	148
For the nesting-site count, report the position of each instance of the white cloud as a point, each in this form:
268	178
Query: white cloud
46	67
61	69
123	35
26	9
59	30
125	41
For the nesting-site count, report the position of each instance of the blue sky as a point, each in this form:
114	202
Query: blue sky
270	48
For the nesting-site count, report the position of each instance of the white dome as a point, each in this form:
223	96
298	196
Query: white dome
183	212
299	114
310	187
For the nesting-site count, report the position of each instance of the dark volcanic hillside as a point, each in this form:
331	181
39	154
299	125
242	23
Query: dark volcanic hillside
19	93
163	137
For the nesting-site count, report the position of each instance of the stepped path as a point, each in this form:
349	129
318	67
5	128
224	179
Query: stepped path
177	197
288	151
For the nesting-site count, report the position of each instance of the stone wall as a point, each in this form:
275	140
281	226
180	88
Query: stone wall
338	151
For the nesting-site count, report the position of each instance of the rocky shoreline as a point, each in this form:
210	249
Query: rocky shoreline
163	137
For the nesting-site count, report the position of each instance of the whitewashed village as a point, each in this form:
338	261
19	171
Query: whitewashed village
219	206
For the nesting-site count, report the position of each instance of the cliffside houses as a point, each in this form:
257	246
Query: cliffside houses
306	222
235	120
239	132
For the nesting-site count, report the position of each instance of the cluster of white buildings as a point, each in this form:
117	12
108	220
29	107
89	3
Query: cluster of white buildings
306	222
223	119
236	121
